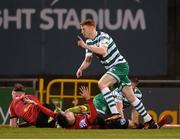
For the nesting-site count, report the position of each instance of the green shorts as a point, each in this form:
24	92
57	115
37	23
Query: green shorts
101	105
120	73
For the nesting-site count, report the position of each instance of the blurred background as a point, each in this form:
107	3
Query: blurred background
38	41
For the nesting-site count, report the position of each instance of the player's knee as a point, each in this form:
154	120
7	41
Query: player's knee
101	85
130	96
131	99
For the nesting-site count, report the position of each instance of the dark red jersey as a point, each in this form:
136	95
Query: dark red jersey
85	121
27	112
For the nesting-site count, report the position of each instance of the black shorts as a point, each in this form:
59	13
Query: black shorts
118	125
42	119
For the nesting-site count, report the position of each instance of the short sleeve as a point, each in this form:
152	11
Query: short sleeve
104	39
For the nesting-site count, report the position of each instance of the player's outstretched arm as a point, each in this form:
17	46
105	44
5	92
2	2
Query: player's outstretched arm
45	110
84	92
85	64
93	113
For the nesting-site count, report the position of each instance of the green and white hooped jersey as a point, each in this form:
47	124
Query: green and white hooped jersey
102	106
112	57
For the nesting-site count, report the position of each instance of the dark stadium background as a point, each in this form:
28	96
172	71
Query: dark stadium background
31	49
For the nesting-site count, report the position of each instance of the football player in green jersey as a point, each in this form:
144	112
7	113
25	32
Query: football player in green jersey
104	47
121	103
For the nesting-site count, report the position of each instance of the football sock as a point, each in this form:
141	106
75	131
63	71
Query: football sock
141	110
107	93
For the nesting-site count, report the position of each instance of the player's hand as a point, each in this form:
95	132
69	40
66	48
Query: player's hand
79	73
28	101
81	43
84	92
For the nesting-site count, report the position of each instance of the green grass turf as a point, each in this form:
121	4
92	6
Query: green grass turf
54	133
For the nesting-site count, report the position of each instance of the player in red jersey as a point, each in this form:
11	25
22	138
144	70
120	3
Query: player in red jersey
71	120
28	108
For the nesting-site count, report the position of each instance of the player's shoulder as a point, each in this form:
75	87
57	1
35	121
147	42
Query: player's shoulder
103	34
31	96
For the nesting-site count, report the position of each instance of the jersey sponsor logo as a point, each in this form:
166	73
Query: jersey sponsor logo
83	123
27	108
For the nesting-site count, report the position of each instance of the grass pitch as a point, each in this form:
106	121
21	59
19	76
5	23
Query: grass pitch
54	133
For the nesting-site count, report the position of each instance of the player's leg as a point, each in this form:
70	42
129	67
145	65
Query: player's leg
120	72
101	105
119	101
163	120
102	109
137	104
104	83
111	78
47	111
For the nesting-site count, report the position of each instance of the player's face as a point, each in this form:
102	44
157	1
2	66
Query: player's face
17	94
70	117
86	31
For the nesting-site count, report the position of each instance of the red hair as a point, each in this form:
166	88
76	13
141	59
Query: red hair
88	22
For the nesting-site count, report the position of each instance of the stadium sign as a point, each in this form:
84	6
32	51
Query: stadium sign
4	116
45	31
63	19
